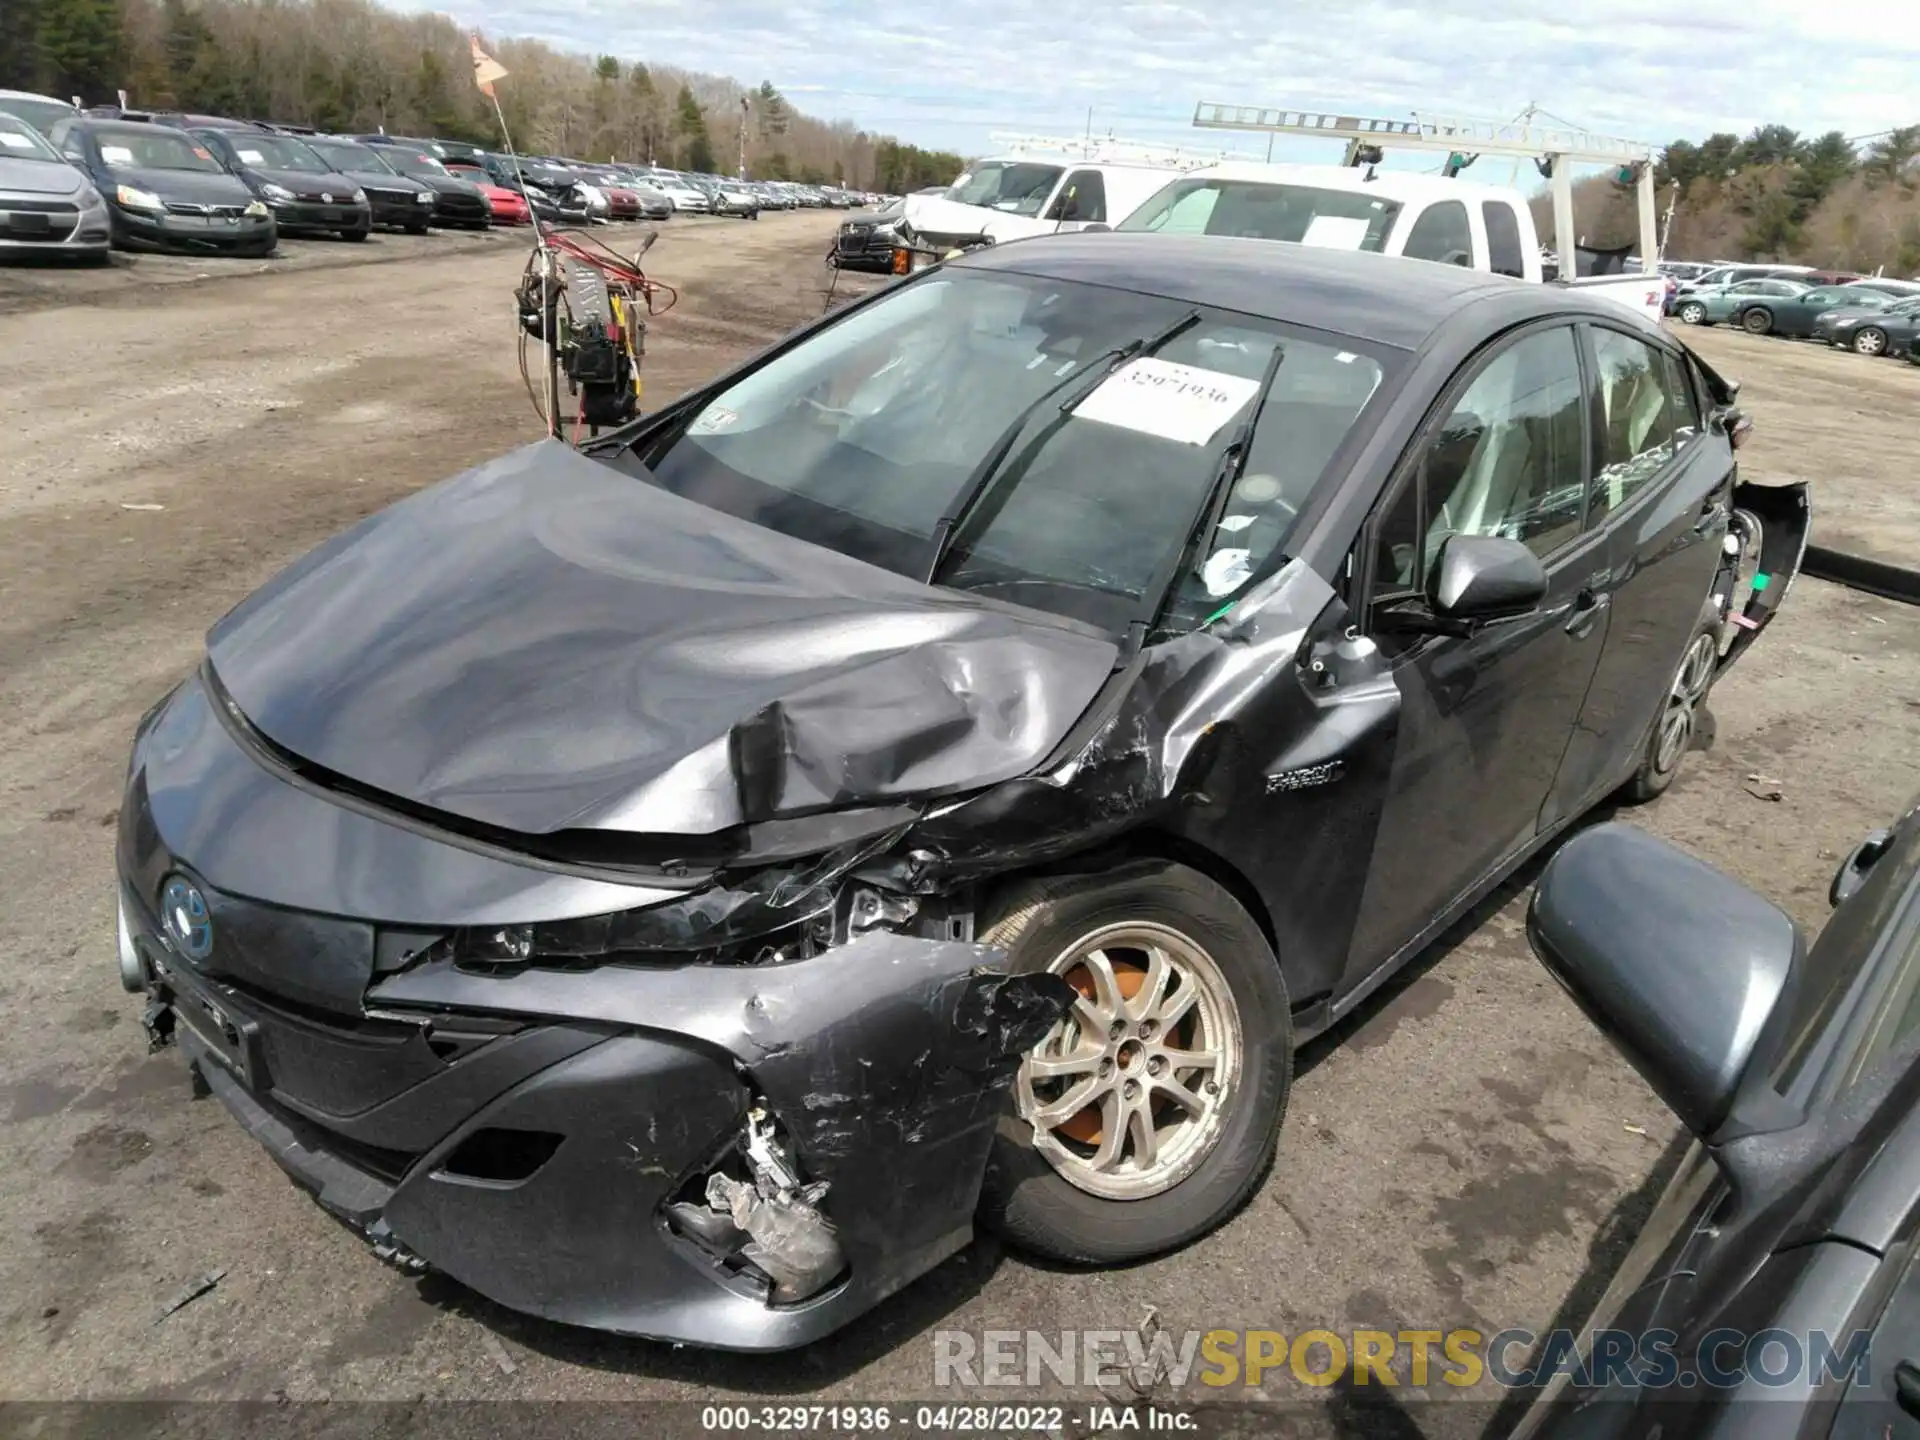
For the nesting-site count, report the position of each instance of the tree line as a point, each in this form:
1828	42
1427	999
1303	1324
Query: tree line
1773	195
352	66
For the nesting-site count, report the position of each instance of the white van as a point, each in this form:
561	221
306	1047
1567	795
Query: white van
1041	187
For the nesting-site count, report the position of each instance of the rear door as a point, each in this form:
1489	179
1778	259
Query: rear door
1485	718
1661	483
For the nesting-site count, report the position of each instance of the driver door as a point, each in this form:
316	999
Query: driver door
1484	717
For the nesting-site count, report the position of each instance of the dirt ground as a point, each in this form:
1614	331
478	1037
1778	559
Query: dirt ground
1465	1151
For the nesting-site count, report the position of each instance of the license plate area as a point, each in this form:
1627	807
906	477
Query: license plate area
229	1038
26	223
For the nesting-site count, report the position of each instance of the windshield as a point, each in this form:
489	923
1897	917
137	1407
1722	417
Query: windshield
277	152
992	403
411	162
1011	185
20	141
41	114
345	155
1336	219
154	148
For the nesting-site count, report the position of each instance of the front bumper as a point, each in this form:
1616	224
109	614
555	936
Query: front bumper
525	1133
32	224
344	215
218	234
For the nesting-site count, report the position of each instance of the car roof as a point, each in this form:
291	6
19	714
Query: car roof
1386	299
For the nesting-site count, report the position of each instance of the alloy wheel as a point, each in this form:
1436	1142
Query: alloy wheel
1689	689
1128	1093
1870	341
1692	314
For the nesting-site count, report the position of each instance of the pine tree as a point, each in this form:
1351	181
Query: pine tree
81	43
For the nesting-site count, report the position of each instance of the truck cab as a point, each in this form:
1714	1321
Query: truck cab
1422	216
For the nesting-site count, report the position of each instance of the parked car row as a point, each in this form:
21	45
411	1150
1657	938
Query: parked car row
85	181
1872	316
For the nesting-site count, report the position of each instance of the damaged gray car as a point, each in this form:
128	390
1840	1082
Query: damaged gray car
940	771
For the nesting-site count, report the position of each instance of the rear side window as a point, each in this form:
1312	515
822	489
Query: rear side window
1503	239
1636	437
1441	233
1680	392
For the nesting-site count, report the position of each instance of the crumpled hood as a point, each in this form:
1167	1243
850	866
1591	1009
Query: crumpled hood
546	643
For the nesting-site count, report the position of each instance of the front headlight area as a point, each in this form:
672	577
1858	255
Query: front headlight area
765	916
135	198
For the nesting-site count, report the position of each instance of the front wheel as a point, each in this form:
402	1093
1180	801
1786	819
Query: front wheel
1693	313
1870	340
1151	1112
1757	321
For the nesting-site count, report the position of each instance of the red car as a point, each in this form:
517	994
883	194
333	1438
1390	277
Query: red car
509	206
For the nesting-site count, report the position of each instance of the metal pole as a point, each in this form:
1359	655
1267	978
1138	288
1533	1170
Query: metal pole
1649	208
1563	236
1666	226
1270	140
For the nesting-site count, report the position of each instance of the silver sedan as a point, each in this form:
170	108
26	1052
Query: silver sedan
46	205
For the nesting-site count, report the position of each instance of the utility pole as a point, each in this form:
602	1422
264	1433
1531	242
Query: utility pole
745	111
1666	225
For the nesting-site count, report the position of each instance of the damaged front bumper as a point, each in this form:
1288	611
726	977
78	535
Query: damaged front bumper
737	1156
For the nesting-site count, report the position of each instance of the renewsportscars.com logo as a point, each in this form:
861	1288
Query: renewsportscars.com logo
1461	1358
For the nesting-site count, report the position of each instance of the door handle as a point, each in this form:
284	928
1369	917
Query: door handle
1587	608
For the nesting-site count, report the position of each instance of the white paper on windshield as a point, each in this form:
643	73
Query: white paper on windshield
713	420
1335	232
1175	402
15	142
1225	572
116	154
1234	524
251	157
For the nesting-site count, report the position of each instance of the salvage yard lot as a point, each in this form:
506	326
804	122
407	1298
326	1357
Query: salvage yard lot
1464	1151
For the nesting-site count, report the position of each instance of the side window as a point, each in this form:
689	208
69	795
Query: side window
1681	398
1503	239
1441	233
1636	438
1083	197
1507	460
73	147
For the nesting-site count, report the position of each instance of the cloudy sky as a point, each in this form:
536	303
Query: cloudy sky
950	77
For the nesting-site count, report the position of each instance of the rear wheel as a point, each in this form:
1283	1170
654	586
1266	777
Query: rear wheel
1758	320
1679	718
1692	312
1870	340
1150	1113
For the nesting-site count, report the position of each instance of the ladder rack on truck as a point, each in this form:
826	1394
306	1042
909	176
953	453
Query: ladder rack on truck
1106	149
1554	148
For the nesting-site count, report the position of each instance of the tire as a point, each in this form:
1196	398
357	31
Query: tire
1676	724
1757	321
1214	1160
1692	312
418	227
355	235
1869	340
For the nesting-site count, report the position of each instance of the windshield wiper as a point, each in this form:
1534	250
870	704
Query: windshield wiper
1233	461
980	479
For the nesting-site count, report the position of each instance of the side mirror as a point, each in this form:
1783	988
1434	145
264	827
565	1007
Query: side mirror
1092	225
1484	577
1681	966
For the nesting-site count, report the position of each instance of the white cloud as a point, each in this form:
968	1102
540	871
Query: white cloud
948	78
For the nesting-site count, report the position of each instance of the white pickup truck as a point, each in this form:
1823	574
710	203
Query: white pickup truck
1429	217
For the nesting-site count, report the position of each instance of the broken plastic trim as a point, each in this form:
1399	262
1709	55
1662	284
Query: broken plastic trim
781	901
773	1224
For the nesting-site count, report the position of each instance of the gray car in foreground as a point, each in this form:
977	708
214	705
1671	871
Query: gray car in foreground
46	206
1773	1290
